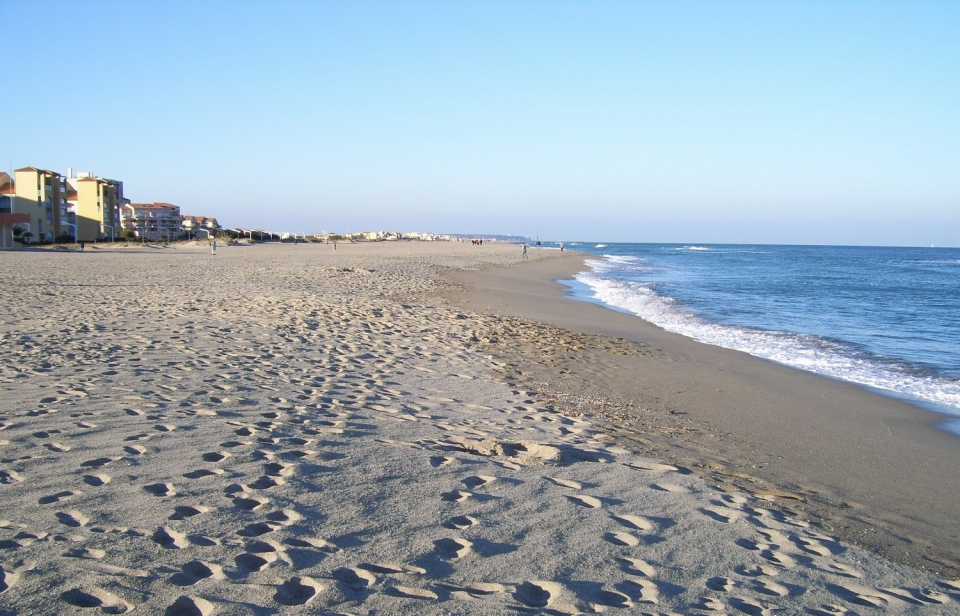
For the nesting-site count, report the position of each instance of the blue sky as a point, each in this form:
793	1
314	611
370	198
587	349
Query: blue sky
773	122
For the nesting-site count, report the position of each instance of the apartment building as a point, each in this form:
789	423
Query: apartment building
41	194
93	206
152	221
9	219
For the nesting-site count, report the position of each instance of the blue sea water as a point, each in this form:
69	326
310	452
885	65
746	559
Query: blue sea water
884	318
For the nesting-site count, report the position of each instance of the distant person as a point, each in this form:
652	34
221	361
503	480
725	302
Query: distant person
561	246
525	252
213	247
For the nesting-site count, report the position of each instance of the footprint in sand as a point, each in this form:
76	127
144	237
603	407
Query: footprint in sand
778	558
771	588
455	496
160	489
169	538
196	571
258	529
298	591
484	589
72	518
723	514
536	594
279	469
10	476
255	562
355	579
98	462
460	522
641	591
637	566
135	450
58	497
636	522
57	447
284	517
584	501
265	483
477	481
566	483
190	606
748	606
453	548
7	579
216	456
96	597
812	546
96	480
756	571
707	604
249	503
183	512
720	584
622	539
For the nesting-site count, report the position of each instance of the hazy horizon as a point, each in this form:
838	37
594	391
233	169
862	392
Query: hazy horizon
687	122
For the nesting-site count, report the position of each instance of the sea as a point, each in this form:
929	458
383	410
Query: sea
884	318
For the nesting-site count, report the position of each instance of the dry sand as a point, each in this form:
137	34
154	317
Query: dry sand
288	429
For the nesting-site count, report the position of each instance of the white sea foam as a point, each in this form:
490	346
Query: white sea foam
600	246
800	351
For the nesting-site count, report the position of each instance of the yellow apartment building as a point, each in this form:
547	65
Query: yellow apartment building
94	204
40	193
8	219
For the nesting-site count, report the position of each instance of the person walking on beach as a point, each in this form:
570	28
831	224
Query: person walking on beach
561	246
213	247
525	252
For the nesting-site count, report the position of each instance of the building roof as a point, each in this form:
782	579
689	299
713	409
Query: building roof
7	186
45	171
152	206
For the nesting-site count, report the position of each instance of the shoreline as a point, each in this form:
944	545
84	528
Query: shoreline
872	469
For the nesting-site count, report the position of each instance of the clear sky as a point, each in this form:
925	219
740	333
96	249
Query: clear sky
776	122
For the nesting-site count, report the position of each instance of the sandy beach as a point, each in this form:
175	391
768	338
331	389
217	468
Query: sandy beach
428	428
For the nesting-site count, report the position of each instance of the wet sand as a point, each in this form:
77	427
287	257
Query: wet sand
870	468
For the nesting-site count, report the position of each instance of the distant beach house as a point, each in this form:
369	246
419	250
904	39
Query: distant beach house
200	226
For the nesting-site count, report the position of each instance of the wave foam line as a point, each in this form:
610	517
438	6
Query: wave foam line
799	351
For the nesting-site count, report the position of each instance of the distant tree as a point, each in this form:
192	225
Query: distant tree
17	231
